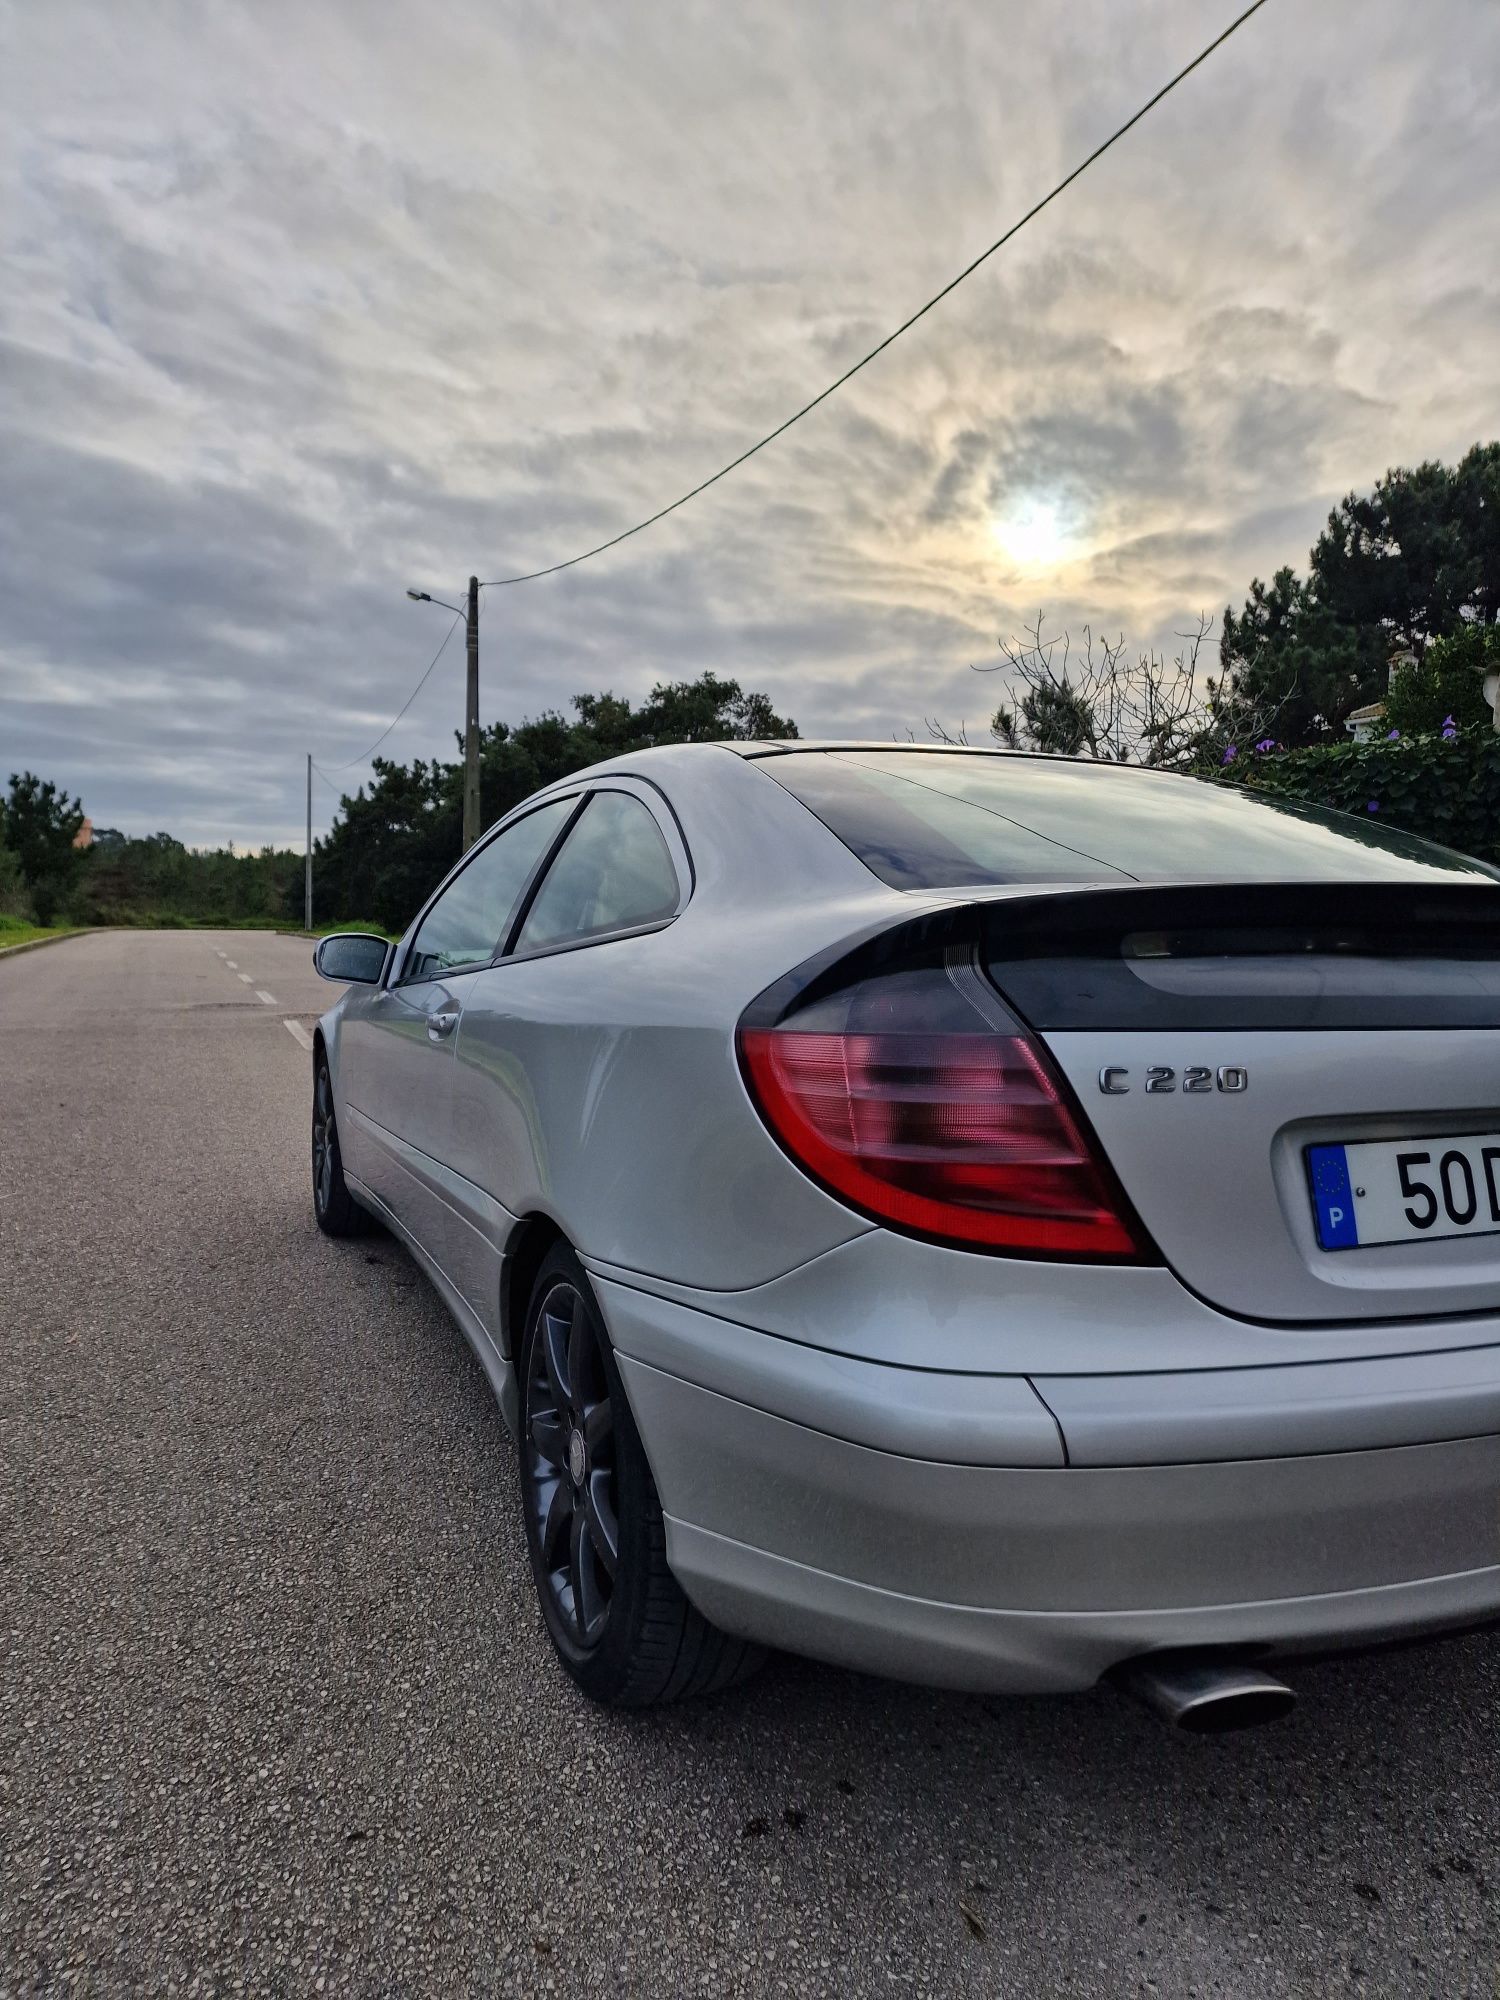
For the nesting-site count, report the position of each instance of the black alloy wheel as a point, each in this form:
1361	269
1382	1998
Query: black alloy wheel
338	1213
615	1613
324	1139
570	1446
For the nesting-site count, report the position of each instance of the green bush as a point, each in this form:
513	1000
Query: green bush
38	823
1447	687
156	883
1445	788
14	901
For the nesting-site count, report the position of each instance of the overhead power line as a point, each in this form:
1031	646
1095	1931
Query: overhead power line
366	755
571	562
551	569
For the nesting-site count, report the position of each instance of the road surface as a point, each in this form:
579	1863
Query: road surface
277	1715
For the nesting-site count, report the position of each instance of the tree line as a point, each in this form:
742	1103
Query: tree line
1411	568
46	879
1405	568
391	842
395	838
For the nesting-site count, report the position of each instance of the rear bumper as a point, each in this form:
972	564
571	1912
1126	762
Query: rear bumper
818	1503
984	1649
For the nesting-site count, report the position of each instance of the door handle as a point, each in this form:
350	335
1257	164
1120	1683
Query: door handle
439	1025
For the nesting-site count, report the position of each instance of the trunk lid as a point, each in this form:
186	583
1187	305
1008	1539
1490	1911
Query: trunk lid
1213	1034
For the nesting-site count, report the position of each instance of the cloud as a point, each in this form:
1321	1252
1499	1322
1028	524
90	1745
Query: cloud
299	306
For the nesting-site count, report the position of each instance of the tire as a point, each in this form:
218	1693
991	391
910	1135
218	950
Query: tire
616	1615
338	1213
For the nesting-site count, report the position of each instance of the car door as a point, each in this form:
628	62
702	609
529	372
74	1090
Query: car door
538	1024
398	1057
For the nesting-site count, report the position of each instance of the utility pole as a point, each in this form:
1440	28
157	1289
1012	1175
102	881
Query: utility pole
307	882
471	723
469	612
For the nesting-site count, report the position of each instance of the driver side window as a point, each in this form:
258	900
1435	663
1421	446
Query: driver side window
468	922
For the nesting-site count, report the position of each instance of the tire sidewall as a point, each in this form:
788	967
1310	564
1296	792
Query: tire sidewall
603	1669
343	1216
322	1074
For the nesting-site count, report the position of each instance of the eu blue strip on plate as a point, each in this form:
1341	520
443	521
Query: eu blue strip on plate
1333	1198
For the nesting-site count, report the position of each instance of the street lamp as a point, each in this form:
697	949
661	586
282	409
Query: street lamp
470	616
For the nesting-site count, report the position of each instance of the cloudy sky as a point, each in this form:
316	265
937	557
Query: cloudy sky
303	304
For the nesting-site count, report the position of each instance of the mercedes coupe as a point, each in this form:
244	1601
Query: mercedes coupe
995	1220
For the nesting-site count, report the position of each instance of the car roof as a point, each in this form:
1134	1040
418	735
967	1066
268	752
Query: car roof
782	746
753	748
691	756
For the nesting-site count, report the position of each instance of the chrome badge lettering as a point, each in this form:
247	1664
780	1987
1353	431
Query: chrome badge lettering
1198	1080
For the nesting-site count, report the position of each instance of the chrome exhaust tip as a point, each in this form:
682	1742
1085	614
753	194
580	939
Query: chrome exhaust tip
1205	1694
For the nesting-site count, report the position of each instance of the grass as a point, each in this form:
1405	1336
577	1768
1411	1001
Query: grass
172	920
14	930
17	930
349	924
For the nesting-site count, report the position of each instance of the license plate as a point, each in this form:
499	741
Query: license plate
1401	1190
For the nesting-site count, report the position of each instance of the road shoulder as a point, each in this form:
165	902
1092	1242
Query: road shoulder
57	937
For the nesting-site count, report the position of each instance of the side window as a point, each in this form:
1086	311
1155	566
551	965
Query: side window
468	921
612	872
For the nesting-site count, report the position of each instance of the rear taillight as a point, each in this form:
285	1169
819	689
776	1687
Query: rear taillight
915	1095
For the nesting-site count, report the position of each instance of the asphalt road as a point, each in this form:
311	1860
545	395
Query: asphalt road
277	1714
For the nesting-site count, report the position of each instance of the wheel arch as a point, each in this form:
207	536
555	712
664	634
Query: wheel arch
530	1241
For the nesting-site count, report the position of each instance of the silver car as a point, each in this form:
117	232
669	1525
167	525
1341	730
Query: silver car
993	1220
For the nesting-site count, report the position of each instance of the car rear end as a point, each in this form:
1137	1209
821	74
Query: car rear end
1174	1320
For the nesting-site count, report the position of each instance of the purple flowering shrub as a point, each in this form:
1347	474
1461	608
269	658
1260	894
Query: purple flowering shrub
1444	786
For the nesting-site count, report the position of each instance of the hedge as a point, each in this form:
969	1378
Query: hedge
1446	789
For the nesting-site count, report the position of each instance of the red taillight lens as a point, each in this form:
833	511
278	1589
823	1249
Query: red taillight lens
956	1135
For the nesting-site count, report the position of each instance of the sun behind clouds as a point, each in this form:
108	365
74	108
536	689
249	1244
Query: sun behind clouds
1034	535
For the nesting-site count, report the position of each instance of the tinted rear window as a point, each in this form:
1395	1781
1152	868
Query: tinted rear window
946	819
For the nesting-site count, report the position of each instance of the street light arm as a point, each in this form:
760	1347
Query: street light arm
426	597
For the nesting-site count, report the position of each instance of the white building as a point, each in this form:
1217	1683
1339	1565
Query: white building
1365	723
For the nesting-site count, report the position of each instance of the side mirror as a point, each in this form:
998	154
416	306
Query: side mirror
353	958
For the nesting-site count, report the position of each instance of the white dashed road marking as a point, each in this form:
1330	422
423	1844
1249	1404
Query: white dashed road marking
223	955
230	963
299	1034
245	978
269	999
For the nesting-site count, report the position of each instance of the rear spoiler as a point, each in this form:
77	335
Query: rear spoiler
1251	955
1207	955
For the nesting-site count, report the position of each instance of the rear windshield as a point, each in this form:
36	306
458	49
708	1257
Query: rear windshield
940	819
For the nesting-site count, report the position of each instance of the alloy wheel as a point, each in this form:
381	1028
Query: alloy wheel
570	1460
324	1140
